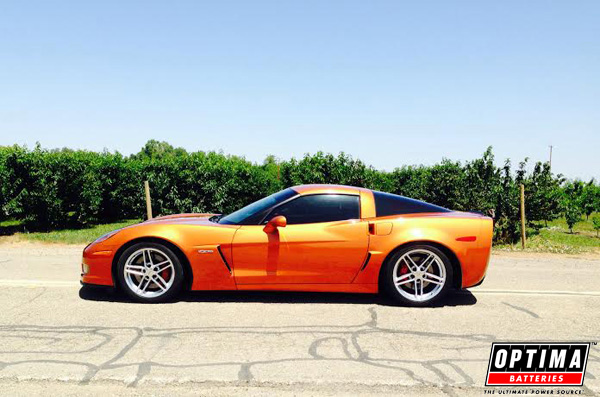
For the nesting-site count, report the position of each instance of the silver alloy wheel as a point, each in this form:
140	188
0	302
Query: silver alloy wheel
419	275
149	272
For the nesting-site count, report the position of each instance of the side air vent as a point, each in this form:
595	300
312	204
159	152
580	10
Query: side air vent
223	259
367	259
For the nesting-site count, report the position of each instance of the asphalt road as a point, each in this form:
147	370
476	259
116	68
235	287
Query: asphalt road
58	337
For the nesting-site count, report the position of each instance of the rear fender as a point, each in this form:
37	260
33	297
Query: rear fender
438	231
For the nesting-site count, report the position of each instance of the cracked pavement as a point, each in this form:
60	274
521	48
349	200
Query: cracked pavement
57	335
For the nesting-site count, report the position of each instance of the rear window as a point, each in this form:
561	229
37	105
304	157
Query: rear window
392	204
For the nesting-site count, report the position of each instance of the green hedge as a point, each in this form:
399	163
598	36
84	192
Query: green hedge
57	188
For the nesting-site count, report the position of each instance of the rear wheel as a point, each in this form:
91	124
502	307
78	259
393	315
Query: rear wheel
150	272
417	275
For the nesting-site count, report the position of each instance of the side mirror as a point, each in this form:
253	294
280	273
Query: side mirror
274	223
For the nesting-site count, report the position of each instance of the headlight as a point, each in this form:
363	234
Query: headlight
106	236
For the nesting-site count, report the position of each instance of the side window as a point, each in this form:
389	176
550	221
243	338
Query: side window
319	208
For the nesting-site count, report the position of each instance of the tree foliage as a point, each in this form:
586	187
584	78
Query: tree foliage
596	225
572	214
54	188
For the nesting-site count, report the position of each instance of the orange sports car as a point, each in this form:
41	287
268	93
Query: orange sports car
304	238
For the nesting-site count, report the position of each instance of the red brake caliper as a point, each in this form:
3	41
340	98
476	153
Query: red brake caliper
404	270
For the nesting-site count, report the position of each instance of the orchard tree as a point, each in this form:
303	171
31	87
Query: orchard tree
409	180
572	214
573	192
4	187
482	182
507	215
590	199
156	150
543	194
596	224
440	187
327	168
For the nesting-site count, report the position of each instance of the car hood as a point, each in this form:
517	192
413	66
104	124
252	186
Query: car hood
171	228
192	219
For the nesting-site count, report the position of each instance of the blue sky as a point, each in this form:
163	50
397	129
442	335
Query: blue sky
389	82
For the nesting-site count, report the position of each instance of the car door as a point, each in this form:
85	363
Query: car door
325	241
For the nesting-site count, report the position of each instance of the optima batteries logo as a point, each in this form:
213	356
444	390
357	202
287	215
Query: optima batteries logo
537	364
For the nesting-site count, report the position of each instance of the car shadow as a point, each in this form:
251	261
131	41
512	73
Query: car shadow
107	294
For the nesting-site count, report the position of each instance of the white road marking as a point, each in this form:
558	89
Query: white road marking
532	292
58	283
38	283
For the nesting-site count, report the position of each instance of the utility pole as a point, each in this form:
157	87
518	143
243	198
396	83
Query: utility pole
148	202
523	238
550	157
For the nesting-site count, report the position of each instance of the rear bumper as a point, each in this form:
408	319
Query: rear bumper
475	271
478	284
477	259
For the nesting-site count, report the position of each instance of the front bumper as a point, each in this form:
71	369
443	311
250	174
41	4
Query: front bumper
96	266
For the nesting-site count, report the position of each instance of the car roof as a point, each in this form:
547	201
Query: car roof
321	189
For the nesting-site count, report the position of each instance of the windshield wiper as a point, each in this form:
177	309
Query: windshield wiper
216	218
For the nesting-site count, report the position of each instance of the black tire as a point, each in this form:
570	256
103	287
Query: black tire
156	252
428	284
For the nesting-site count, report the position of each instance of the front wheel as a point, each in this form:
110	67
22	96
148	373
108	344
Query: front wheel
150	272
417	275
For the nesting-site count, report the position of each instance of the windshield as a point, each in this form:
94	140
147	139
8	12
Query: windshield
252	213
